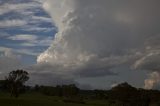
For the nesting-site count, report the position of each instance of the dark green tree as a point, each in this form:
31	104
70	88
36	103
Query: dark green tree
15	81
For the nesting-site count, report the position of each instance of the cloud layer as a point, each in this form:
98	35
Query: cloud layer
95	36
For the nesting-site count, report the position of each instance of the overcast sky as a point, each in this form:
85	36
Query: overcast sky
93	43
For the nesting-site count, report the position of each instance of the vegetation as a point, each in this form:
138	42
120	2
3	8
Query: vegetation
15	81
69	95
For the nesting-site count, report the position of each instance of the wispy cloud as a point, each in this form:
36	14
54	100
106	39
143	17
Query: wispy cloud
12	23
28	15
39	42
42	19
38	28
7	7
19	51
31	40
23	37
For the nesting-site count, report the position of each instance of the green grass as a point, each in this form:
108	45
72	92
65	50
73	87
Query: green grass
35	99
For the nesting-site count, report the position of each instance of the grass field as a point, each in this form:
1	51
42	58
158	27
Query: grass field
36	99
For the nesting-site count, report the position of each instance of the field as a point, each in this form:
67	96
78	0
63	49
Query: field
35	99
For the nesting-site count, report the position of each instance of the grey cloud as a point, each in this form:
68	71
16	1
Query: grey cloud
8	62
95	36
149	61
48	79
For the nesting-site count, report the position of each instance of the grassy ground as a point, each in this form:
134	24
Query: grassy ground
35	99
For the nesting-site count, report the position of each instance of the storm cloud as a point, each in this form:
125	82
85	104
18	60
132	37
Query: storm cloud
95	36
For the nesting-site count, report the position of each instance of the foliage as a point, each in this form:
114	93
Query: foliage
68	95
15	81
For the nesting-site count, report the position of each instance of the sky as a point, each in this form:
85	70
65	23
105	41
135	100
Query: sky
95	44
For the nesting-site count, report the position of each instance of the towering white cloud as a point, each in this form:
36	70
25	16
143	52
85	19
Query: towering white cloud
95	36
152	81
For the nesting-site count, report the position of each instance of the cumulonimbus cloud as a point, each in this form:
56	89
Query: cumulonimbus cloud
95	36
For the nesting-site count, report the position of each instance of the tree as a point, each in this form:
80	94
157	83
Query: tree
15	81
3	85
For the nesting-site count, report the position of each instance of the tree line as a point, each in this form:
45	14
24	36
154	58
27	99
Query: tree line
120	95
